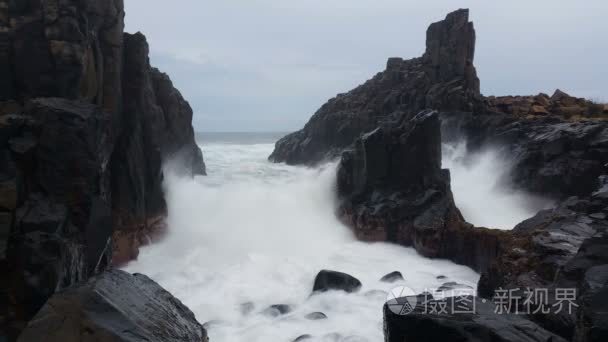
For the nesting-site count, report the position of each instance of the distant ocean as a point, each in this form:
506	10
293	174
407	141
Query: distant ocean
245	138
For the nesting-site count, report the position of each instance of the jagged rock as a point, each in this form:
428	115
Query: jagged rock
332	280
85	125
115	306
392	188
392	277
550	156
158	128
477	321
444	78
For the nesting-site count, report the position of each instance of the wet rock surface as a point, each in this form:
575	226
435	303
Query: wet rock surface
444	78
114	306
332	280
392	277
478	322
392	188
85	125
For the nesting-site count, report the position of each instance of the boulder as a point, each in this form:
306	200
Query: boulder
114	306
85	126
332	280
392	277
314	316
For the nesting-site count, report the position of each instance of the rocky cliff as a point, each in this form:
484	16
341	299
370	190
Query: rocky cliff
85	125
391	186
444	78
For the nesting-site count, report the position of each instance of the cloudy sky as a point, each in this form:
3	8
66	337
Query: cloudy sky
267	65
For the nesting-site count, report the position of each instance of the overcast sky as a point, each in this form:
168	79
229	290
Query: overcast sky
267	65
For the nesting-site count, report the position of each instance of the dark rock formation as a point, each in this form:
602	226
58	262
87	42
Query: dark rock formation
392	277
443	78
550	155
392	188
157	127
476	321
561	248
114	306
332	280
85	125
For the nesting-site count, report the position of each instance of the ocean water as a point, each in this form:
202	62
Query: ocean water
253	234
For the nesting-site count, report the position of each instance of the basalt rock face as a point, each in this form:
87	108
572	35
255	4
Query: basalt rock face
551	155
476	321
156	127
443	78
85	126
392	188
115	306
561	248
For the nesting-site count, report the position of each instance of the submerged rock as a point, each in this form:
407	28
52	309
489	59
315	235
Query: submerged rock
305	337
392	277
332	280
313	316
115	306
277	310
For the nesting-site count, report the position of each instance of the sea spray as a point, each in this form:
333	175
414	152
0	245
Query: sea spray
481	191
253	234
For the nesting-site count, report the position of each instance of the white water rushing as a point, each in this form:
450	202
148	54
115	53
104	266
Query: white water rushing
256	232
478	192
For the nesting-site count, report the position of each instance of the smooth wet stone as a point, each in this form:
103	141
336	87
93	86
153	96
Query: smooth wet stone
332	280
313	316
277	310
392	277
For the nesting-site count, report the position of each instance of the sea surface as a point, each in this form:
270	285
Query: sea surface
253	234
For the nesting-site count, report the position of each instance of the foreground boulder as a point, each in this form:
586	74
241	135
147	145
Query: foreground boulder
115	306
475	321
444	78
332	280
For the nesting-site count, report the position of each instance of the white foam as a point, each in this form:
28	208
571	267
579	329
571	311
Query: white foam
479	193
258	232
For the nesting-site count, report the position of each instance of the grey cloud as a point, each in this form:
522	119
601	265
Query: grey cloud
267	65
